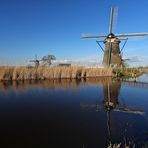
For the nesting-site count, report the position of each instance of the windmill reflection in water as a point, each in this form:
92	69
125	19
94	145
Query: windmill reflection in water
111	91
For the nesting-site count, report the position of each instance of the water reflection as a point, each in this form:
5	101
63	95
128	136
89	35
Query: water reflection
87	113
17	86
111	91
111	95
111	103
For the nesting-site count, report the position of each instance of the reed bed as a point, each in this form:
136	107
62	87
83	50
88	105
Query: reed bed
98	72
46	73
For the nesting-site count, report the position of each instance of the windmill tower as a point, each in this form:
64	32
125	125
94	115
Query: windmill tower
112	53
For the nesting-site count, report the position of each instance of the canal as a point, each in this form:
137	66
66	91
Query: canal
91	113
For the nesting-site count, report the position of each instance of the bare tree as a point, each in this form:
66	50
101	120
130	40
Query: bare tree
47	60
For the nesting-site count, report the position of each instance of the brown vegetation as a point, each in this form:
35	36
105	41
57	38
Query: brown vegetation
46	73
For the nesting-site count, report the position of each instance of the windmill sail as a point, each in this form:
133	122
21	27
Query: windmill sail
89	36
131	34
113	18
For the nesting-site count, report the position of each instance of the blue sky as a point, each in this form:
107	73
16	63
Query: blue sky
42	27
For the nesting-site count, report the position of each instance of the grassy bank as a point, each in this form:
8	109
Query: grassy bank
45	73
127	72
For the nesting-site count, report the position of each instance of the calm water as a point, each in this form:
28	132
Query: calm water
89	113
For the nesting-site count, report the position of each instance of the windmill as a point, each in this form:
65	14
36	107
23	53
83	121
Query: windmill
47	59
112	53
36	61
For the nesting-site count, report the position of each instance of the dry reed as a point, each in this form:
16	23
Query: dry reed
42	73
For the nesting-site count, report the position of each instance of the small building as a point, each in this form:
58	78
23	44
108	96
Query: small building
64	65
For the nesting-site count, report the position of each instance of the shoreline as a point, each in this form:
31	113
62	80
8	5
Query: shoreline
73	72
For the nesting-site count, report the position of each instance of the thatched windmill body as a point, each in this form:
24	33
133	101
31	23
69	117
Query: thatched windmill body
112	52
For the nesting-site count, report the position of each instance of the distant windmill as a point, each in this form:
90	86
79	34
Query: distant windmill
112	52
36	61
47	59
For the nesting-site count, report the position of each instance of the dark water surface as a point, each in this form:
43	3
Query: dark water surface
88	113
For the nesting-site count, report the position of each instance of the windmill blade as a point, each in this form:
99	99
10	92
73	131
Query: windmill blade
130	110
100	41
89	36
123	39
131	34
113	19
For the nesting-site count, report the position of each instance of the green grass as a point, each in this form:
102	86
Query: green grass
127	72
